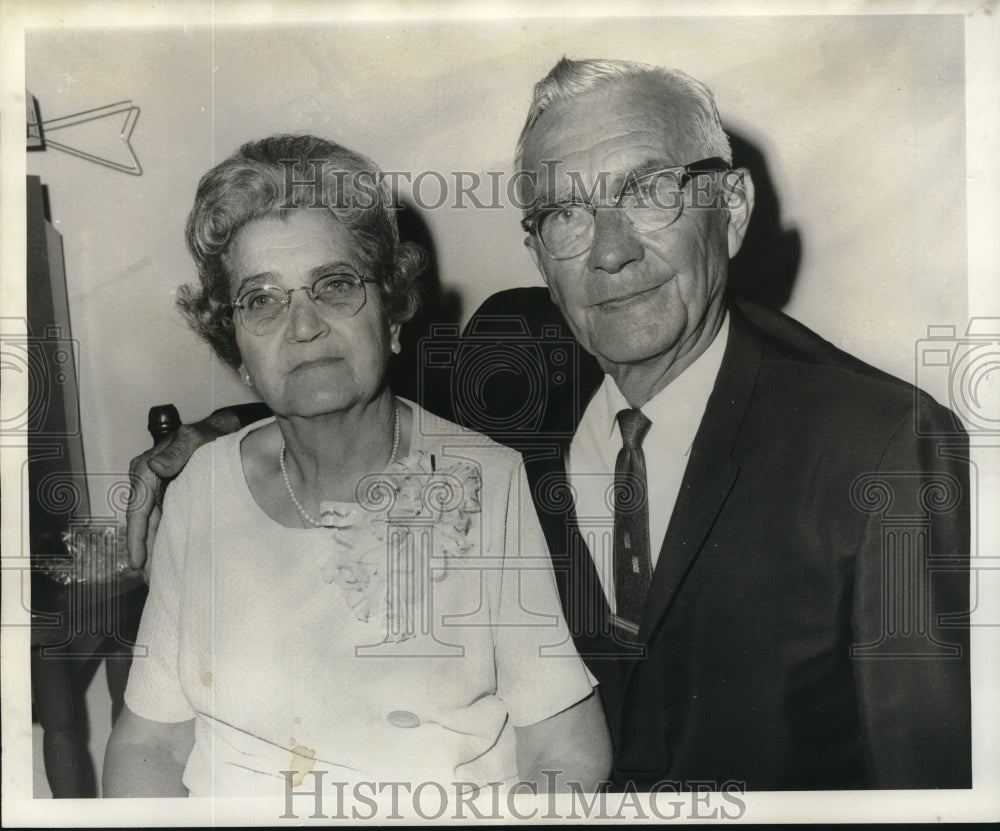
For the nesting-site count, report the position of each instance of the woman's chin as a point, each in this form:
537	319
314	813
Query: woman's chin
317	404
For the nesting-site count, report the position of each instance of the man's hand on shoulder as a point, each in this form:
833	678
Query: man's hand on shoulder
150	471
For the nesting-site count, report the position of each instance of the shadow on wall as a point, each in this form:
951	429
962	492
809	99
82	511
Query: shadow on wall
439	305
765	268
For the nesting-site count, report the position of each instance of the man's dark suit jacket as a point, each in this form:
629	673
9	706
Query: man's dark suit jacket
804	628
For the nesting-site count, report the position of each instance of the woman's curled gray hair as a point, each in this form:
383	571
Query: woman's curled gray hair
290	172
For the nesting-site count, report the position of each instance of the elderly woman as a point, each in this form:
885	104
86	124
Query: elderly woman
353	585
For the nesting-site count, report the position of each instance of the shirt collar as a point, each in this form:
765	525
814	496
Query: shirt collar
680	404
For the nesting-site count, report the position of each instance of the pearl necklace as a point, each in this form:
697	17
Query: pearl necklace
288	482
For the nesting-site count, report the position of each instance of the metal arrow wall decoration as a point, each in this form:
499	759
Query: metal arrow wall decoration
127	109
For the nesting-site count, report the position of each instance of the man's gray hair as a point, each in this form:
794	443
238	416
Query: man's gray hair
569	78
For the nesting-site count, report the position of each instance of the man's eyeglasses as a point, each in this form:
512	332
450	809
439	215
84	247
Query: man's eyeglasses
650	202
263	309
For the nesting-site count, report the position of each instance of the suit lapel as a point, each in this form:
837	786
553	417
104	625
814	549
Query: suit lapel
579	586
711	470
708	479
584	603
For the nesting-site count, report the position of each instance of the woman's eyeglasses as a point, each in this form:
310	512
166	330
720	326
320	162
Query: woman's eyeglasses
263	309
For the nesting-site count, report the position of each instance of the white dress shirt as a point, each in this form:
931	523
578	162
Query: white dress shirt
675	412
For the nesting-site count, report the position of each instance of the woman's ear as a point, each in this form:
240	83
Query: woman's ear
394	345
245	376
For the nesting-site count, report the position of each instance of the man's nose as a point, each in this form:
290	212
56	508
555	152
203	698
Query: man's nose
615	244
305	319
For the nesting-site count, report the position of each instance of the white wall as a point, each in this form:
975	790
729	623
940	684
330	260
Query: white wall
860	119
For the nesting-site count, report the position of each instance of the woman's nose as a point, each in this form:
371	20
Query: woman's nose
305	318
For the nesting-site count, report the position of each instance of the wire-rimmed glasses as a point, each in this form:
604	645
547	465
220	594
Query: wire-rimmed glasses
263	308
650	202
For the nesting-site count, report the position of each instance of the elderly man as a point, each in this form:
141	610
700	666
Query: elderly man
757	612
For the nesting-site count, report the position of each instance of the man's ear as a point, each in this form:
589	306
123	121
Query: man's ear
531	244
737	192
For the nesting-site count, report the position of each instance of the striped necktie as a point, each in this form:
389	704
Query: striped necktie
633	566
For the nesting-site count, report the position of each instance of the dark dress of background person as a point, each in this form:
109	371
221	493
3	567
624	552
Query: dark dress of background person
783	650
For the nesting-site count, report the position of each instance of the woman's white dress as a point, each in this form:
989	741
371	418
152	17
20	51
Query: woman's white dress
296	649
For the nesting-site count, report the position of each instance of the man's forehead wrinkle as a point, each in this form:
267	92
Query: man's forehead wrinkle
611	159
648	166
616	148
591	144
565	138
